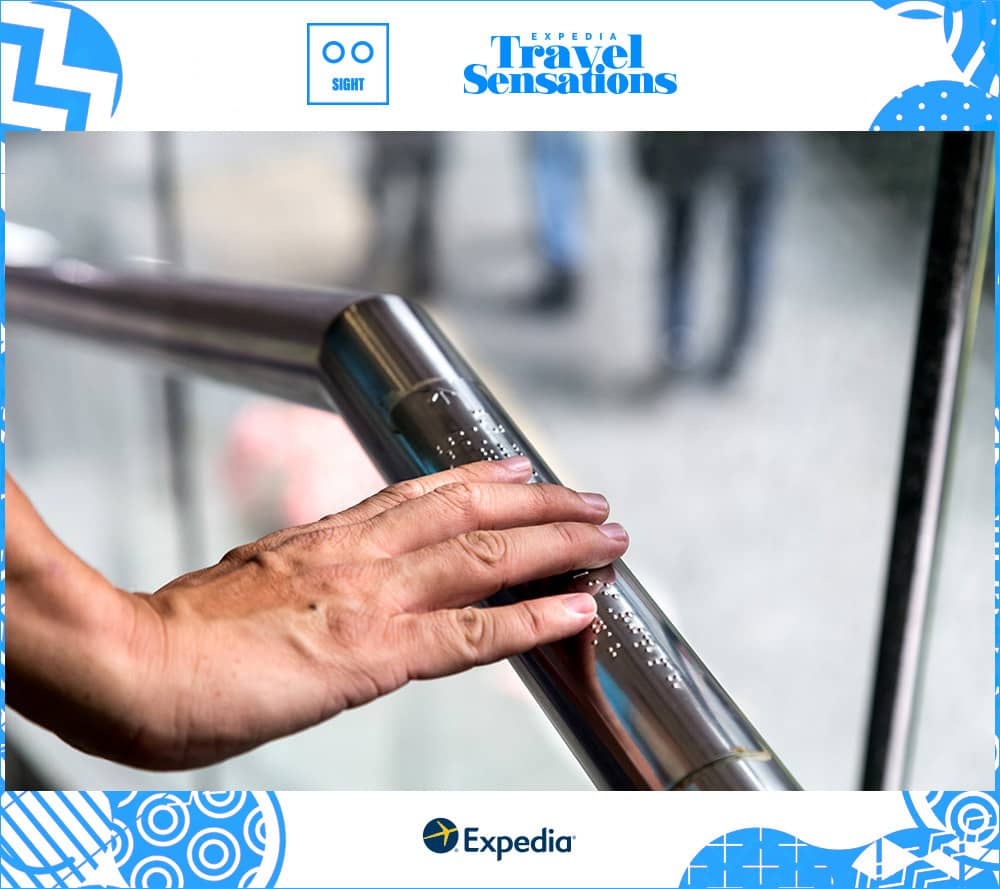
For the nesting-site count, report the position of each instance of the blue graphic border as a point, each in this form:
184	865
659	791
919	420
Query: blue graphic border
831	859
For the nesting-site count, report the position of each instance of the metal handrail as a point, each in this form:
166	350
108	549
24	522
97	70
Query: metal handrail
629	696
263	338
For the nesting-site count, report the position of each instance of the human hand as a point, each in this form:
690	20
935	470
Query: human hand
294	628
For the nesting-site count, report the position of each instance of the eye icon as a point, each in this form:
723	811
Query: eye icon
348	63
361	51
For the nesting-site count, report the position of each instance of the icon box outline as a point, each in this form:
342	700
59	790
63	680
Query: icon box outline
311	25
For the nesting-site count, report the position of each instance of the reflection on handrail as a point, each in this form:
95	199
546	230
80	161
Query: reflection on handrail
264	338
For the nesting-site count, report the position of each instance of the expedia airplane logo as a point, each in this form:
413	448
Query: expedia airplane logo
441	835
567	62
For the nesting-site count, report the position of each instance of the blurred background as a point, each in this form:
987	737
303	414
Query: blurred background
716	331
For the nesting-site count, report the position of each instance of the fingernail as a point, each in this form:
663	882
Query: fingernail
519	465
580	603
615	531
595	501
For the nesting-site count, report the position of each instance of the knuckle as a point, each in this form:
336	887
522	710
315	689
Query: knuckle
487	548
402	491
396	495
569	535
460	497
240	554
470	471
470	630
533	619
547	496
271	561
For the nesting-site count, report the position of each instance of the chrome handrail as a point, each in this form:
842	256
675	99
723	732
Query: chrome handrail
263	338
629	696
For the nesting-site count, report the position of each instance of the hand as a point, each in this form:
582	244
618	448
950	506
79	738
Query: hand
306	622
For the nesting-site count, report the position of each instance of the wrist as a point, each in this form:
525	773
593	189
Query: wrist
71	654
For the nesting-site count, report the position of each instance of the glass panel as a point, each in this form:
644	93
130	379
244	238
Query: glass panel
953	726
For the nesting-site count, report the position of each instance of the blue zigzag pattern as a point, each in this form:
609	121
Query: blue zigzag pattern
88	45
26	89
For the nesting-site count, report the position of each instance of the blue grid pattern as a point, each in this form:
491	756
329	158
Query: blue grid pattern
953	842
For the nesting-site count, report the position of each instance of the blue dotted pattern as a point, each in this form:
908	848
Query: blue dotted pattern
941	105
969	102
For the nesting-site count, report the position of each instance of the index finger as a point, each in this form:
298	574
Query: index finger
513	470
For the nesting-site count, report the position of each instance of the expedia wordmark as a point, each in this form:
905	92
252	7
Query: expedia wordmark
500	845
441	835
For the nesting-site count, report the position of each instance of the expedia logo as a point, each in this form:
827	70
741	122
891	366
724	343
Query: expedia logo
567	62
441	835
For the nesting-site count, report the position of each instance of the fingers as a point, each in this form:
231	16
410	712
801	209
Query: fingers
513	470
458	507
445	642
475	565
